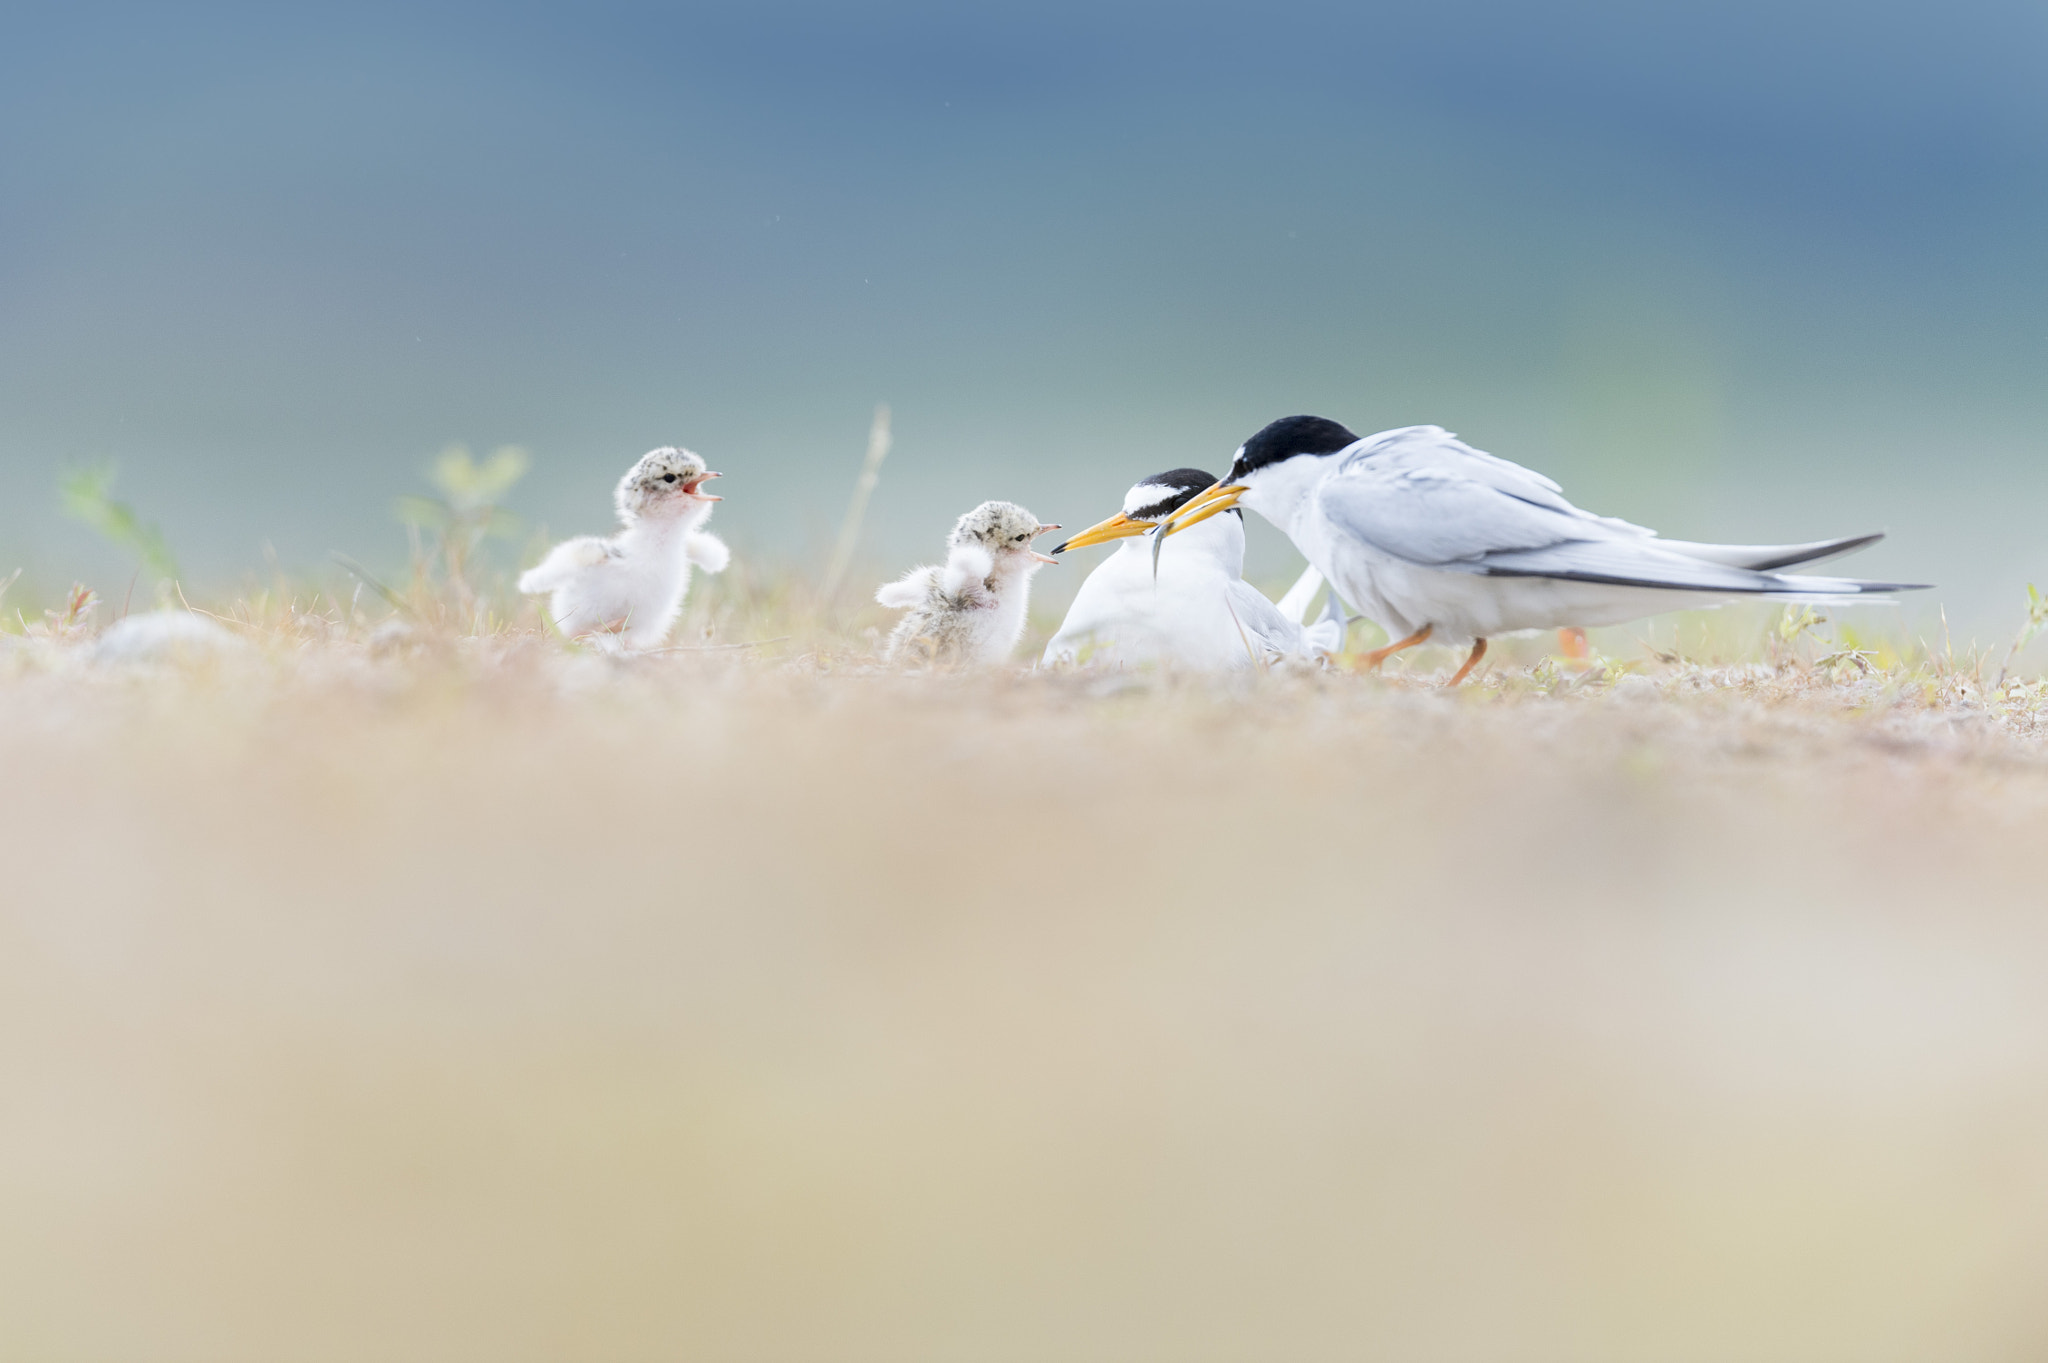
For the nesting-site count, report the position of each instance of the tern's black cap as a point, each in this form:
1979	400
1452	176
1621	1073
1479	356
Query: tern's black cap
1287	437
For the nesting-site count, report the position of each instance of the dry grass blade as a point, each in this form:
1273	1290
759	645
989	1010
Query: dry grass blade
369	579
879	442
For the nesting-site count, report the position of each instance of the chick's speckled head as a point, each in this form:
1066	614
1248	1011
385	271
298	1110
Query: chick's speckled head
1004	529
668	478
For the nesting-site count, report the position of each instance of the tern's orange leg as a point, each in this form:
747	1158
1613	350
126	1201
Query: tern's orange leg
1478	652
1370	661
1572	643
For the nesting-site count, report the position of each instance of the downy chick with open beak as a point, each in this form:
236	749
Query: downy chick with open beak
1197	611
624	592
970	610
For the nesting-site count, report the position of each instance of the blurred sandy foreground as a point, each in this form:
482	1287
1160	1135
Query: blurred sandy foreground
701	1008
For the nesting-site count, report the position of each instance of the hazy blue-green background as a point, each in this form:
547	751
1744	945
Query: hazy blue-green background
1737	270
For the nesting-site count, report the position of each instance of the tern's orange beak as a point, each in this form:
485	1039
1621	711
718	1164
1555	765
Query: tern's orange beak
691	488
1212	500
1117	527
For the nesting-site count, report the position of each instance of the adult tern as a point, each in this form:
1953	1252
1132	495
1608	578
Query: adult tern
1436	540
1197	611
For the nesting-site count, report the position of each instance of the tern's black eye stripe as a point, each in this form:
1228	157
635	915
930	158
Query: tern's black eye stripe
1180	485
1162	510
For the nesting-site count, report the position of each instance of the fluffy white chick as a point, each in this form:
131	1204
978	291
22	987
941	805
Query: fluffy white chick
624	591
971	609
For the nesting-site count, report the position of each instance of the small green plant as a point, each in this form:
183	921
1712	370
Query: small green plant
467	513
1795	622
2036	621
88	497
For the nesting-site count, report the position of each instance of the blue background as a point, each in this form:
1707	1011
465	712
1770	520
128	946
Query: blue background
1735	270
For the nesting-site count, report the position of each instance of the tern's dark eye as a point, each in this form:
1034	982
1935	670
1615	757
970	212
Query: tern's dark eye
668	477
1022	538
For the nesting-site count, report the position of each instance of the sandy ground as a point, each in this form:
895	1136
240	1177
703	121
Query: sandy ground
497	1005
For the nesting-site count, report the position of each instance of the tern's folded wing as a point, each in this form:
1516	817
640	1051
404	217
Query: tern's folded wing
1646	563
1441	520
1770	557
1458	525
1294	605
1432	450
1264	626
1425	497
1631	563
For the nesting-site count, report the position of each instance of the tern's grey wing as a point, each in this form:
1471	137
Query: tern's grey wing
1261	620
1434	450
1453	523
1645	563
1634	563
1771	557
1294	604
1327	634
1422	495
1441	520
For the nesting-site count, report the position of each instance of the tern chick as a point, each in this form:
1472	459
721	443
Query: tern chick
969	611
625	590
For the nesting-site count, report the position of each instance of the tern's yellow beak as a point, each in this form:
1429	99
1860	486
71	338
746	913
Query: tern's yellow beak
1213	500
1117	527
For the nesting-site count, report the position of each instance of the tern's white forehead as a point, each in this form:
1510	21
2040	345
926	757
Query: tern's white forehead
1146	495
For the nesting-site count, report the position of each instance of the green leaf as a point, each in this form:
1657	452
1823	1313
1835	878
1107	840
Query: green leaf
424	512
87	496
470	486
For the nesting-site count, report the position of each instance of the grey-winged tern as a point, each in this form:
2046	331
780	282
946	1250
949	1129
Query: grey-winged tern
1435	540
